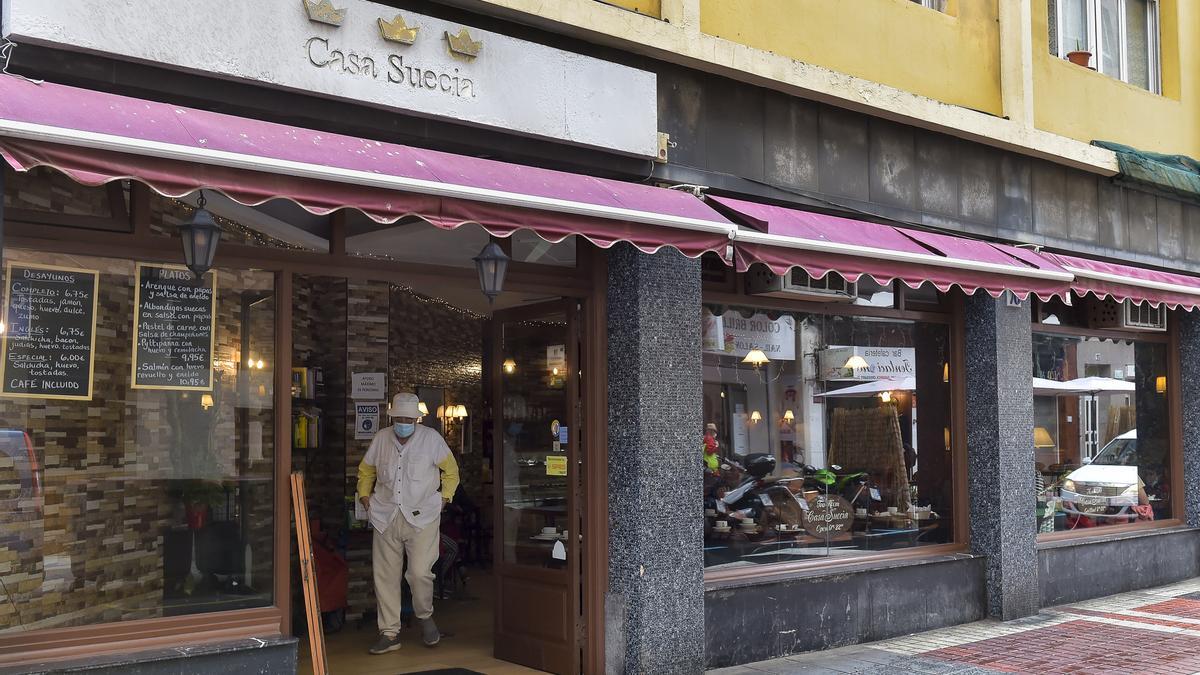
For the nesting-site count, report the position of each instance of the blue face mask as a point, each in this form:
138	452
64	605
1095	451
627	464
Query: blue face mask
404	430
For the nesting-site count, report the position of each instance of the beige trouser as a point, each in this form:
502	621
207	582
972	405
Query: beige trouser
388	550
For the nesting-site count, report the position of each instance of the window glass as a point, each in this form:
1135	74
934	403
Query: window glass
813	443
1137	39
1100	437
1073	24
135	503
1110	37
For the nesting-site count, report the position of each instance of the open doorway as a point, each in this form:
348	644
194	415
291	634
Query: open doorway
500	383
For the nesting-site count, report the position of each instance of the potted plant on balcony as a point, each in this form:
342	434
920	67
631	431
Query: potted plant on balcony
1080	56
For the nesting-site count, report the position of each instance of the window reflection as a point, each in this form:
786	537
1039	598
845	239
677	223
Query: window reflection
1100	432
817	451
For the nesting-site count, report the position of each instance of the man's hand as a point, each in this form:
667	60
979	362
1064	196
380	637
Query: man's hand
366	502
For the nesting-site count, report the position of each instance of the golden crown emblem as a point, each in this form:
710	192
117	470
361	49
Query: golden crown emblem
398	31
463	44
323	12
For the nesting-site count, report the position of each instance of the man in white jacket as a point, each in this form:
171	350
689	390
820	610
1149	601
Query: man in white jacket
405	479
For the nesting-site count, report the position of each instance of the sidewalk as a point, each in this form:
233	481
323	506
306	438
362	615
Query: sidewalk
1152	631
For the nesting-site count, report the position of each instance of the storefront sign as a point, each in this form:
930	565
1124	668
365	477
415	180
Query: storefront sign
366	53
827	515
733	334
366	421
556	359
873	363
556	465
173	331
50	341
368	386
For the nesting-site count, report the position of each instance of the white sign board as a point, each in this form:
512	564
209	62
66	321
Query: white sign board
368	386
732	334
510	84
556	359
873	363
366	420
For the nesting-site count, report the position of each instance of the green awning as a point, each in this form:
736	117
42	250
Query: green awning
1178	174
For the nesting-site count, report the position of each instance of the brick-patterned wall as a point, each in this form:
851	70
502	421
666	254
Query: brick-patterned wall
366	352
92	550
48	191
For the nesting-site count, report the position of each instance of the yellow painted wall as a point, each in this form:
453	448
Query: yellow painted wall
952	57
1085	105
648	7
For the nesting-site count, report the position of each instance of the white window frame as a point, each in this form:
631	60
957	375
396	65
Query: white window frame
935	5
1096	39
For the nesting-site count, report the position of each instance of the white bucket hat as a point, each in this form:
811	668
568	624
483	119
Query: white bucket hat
405	404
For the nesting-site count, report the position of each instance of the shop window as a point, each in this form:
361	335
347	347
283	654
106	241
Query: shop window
44	196
134	491
813	443
1121	35
1101	431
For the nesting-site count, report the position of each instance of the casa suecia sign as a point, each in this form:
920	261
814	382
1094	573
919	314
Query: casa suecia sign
369	54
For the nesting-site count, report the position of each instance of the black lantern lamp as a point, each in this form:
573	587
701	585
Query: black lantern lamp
492	263
200	235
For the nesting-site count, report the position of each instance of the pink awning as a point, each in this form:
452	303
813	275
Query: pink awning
1122	282
817	243
96	137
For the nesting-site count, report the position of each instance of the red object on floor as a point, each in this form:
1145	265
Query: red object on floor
333	573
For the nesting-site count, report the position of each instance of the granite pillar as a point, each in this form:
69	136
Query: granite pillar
654	609
1187	326
1000	452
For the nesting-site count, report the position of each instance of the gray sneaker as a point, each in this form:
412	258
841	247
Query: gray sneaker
430	634
385	644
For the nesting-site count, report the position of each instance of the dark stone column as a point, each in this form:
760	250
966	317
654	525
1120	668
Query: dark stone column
655	603
1188	330
1000	452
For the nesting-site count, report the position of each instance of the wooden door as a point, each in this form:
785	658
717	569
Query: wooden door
536	446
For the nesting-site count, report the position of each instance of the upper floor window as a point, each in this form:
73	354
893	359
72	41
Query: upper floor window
1121	37
939	5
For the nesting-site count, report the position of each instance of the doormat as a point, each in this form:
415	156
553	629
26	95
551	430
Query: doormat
446	671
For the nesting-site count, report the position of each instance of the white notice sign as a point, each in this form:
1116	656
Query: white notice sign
368	386
366	420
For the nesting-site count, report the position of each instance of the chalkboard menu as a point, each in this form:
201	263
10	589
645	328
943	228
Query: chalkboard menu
173	328
50	314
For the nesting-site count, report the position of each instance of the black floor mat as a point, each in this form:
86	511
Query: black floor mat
446	671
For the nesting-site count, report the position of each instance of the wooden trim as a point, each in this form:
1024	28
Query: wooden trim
595	465
283	448
139	206
1101	533
813	307
958	422
337	233
780	571
1107	334
1175	423
56	644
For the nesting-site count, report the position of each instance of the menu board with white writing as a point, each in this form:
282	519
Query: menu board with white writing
50	336
173	328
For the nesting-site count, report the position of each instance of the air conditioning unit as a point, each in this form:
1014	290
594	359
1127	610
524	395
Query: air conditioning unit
796	283
1127	315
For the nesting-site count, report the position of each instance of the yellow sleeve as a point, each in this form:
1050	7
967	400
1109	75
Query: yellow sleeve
449	467
366	478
